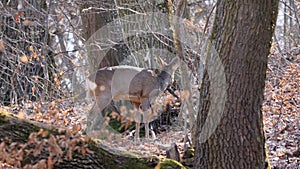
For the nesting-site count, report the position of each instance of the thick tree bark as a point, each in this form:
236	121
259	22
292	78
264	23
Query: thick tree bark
241	36
16	131
96	15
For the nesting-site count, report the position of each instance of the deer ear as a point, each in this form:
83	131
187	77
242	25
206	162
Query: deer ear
160	62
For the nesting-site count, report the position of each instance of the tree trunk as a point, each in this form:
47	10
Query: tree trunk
241	36
14	131
96	15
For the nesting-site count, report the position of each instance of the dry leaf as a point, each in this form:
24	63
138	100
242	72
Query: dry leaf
33	90
158	166
2	47
34	55
36	78
50	162
83	152
26	23
21	115
30	48
24	59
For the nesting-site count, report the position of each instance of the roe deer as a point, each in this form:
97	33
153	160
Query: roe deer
138	85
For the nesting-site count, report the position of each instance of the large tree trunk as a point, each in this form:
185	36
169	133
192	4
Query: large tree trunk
96	15
241	36
14	131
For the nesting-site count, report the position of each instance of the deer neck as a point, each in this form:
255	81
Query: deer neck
164	79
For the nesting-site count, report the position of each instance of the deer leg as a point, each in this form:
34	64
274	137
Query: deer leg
137	120
146	122
137	131
95	116
146	115
146	129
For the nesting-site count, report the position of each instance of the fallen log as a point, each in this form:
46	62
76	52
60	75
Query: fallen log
24	144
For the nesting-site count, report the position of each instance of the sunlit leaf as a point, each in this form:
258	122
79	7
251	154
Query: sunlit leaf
24	59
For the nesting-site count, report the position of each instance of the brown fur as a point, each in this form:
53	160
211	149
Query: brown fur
136	84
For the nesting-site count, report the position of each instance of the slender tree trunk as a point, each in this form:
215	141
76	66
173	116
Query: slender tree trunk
241	36
285	26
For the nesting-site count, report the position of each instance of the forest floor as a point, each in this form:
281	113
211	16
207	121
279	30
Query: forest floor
281	111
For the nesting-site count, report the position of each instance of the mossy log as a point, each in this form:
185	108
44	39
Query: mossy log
18	131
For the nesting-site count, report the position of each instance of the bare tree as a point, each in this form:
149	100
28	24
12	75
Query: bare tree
26	60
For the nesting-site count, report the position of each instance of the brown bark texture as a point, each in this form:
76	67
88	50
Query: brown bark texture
96	15
241	36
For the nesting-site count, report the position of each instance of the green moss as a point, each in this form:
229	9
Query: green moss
170	164
190	153
122	160
110	158
3	118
